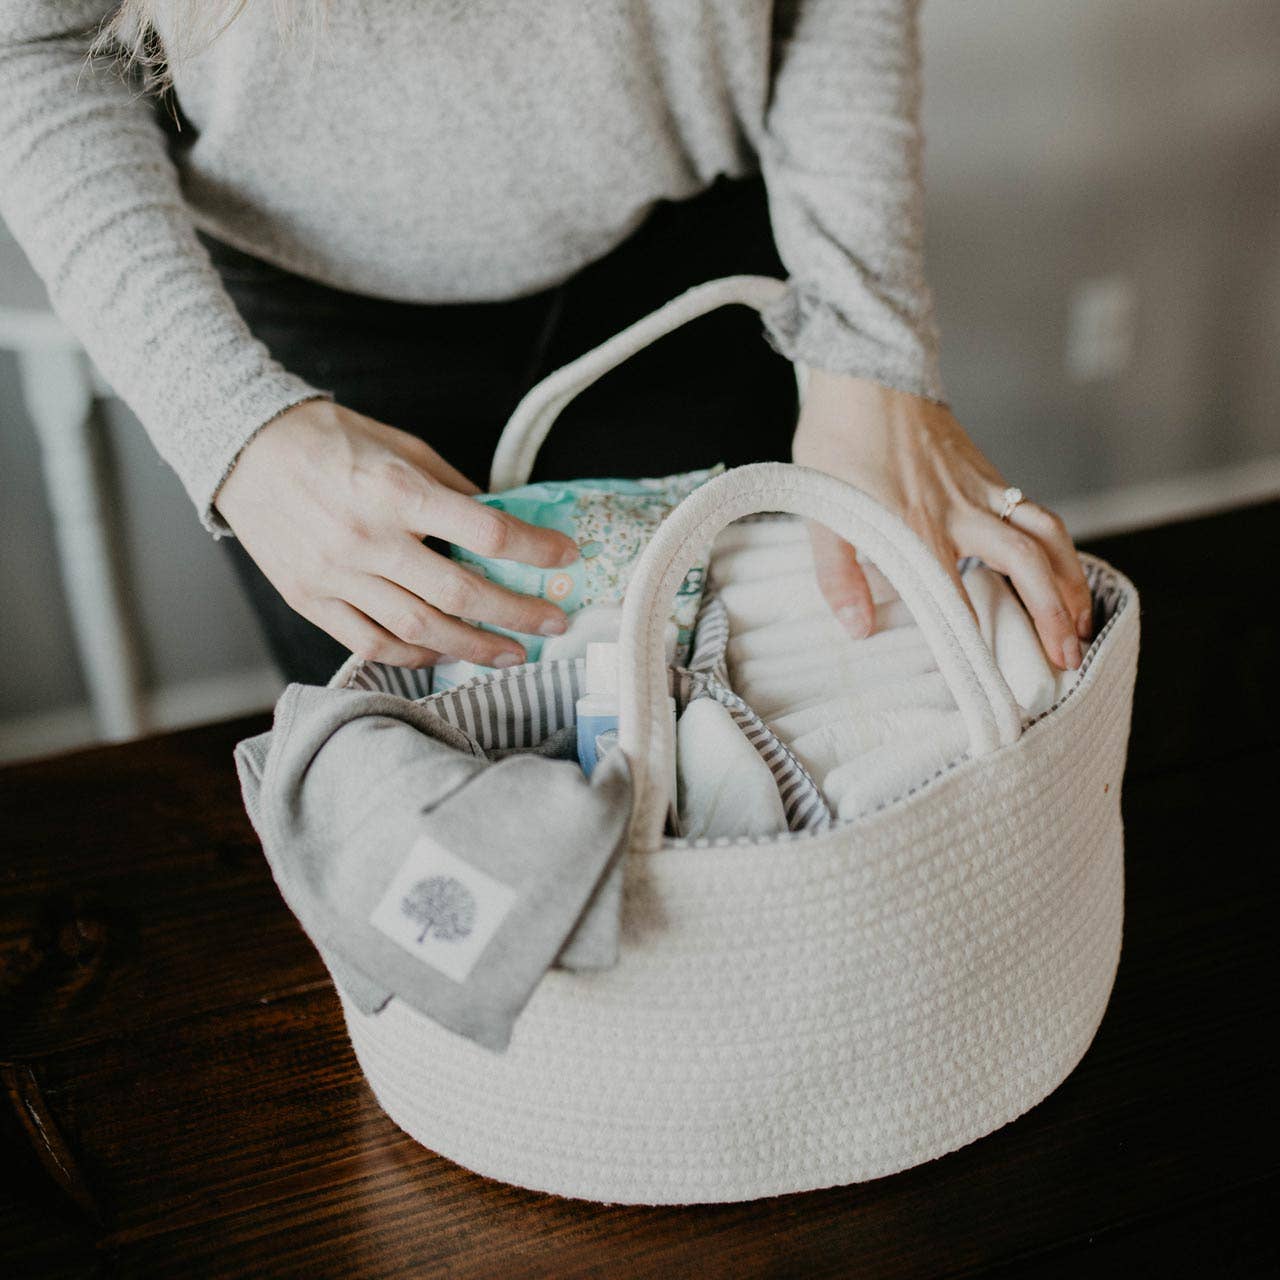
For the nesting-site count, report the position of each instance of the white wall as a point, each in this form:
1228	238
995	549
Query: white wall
1069	142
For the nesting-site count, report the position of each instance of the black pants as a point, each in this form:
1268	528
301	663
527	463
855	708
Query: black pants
713	391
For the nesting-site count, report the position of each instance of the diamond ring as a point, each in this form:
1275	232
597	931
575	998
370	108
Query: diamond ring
1012	496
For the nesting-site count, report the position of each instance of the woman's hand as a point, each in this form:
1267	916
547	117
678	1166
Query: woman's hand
333	506
916	459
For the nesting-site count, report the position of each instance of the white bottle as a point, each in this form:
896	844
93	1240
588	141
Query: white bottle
597	709
597	716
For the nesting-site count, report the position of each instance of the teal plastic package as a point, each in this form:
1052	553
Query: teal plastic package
611	521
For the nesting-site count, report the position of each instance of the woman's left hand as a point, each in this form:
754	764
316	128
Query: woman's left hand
916	459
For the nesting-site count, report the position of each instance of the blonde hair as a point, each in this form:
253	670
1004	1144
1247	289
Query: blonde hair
132	33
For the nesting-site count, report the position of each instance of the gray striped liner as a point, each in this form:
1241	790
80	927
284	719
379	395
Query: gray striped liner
523	705
514	708
711	639
378	677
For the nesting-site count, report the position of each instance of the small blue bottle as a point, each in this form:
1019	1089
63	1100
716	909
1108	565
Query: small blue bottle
597	709
597	717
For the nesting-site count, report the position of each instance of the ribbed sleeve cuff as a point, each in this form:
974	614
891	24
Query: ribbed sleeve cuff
811	331
238	421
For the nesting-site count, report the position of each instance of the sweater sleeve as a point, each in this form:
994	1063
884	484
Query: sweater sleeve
91	195
842	162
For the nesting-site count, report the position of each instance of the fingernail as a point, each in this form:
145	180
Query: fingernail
569	557
555	626
1084	624
853	618
508	659
1071	652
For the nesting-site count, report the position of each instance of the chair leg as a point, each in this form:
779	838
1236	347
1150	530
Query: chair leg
58	388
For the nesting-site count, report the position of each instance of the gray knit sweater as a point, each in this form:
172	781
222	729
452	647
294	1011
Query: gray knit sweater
444	150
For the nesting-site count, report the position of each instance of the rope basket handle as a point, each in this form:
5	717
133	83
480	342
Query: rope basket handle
991	715
533	417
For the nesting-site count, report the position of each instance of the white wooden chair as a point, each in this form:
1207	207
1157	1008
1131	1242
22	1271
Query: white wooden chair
60	387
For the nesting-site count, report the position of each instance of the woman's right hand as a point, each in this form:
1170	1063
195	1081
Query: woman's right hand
334	506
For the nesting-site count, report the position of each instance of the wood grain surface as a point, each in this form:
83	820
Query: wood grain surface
180	1098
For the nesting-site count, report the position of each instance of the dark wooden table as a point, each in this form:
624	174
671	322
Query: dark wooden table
181	1098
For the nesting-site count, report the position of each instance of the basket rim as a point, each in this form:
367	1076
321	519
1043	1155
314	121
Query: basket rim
1125	616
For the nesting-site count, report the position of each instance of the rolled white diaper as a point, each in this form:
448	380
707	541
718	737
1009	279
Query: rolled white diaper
1011	635
725	787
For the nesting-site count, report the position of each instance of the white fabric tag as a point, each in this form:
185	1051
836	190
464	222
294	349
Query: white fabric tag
442	910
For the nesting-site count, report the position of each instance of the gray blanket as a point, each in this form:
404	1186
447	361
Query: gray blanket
422	869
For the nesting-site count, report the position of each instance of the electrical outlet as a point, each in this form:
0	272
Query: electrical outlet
1101	323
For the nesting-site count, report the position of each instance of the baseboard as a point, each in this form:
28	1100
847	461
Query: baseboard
45	733
1156	502
238	693
173	706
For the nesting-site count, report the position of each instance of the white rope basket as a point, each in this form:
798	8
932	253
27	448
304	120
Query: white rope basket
830	1006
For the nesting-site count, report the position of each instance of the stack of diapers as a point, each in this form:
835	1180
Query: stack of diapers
869	719
423	869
